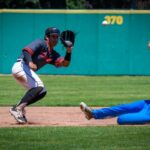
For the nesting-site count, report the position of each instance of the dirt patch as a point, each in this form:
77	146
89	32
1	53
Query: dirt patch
52	116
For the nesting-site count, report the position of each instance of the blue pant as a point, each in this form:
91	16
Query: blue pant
133	113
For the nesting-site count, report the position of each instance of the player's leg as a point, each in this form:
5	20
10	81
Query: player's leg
33	83
118	110
29	79
20	77
141	117
112	111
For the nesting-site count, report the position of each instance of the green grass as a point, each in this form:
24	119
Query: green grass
76	138
71	90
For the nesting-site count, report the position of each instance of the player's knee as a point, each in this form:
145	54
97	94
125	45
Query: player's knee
42	93
120	121
40	84
124	119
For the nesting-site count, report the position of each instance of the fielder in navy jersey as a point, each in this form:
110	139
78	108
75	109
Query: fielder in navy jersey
137	112
34	56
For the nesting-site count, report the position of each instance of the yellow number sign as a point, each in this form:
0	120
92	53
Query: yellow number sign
114	20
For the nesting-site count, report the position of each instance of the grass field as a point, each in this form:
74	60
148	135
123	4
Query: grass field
70	91
75	138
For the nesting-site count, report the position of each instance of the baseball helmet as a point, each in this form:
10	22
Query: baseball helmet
52	30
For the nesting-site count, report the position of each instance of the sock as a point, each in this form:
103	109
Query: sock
30	96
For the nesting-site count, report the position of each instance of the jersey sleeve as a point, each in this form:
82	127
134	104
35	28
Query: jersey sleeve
34	46
57	59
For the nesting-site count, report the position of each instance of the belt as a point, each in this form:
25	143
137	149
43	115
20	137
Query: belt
18	60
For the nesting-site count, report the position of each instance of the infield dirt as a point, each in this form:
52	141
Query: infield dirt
52	116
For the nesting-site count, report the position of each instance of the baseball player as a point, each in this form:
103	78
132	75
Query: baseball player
133	113
34	56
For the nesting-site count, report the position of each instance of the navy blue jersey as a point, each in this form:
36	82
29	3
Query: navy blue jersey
40	54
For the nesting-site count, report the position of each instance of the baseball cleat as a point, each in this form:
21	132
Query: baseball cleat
18	115
23	113
86	110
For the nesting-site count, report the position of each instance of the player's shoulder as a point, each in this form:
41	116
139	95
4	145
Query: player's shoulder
39	42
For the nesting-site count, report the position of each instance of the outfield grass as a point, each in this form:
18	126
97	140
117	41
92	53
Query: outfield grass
71	90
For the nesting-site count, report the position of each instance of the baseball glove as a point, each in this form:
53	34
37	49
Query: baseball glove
67	38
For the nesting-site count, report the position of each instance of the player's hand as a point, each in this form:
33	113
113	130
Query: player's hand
33	66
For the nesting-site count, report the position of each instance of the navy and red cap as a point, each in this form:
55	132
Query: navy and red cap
52	30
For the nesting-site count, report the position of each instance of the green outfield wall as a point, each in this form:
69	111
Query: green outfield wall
120	48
